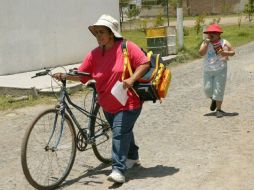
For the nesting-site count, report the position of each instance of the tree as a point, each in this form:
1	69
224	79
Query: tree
249	9
122	3
165	3
188	7
173	3
132	12
199	22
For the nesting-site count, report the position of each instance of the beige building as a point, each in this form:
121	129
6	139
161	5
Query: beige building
195	7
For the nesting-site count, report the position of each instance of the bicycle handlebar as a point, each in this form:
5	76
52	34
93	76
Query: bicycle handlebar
72	72
42	73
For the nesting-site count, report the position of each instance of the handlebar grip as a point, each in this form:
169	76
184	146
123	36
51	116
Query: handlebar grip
42	73
84	74
77	73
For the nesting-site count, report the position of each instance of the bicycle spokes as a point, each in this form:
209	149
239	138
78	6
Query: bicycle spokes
48	150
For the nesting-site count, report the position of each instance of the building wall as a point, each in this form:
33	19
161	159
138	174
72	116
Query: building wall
197	7
214	6
46	33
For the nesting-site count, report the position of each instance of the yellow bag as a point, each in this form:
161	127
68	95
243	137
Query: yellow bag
164	83
155	83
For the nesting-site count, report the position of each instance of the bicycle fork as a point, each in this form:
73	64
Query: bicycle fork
53	148
60	111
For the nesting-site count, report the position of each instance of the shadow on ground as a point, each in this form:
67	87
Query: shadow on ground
90	173
230	114
140	172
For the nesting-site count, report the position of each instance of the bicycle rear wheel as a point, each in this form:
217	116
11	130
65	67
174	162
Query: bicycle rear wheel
48	152
102	133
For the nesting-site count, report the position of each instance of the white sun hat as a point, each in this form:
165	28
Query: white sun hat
108	21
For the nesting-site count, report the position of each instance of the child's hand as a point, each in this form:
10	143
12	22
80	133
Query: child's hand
223	53
207	41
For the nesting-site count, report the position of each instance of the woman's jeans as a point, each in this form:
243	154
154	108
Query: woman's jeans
123	143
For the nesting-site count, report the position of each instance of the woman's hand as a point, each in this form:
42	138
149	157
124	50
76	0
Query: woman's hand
59	76
139	72
128	83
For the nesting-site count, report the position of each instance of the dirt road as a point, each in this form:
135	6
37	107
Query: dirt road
180	147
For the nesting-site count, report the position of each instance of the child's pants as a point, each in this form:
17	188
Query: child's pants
214	83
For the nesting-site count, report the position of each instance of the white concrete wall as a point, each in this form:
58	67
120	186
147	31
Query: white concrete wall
45	33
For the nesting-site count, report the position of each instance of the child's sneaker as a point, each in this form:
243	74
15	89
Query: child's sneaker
130	163
213	105
116	176
219	113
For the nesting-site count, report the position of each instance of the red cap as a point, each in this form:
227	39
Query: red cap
213	28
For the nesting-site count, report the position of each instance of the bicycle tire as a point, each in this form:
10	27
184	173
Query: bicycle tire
40	158
102	145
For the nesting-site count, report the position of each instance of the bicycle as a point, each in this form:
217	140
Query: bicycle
49	146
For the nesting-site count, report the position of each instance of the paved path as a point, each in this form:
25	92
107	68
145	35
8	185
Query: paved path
180	148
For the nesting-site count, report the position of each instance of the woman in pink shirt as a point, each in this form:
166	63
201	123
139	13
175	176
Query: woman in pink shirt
105	64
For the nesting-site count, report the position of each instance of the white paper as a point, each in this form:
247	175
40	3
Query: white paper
120	93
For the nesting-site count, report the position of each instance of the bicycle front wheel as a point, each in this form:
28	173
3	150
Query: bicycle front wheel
48	150
102	134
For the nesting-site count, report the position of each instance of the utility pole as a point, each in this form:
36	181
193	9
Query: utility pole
179	15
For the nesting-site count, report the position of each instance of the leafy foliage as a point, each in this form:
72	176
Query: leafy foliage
159	21
132	12
249	9
173	3
199	22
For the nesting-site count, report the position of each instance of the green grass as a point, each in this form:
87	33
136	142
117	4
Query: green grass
240	36
136	36
6	102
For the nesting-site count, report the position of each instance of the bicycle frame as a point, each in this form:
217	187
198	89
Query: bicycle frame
63	106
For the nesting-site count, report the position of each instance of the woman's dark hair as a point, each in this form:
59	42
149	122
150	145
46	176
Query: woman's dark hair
115	38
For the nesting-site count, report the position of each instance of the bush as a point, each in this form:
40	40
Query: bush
249	9
199	22
186	31
159	21
143	25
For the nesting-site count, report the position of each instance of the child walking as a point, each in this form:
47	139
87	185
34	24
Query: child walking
216	52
